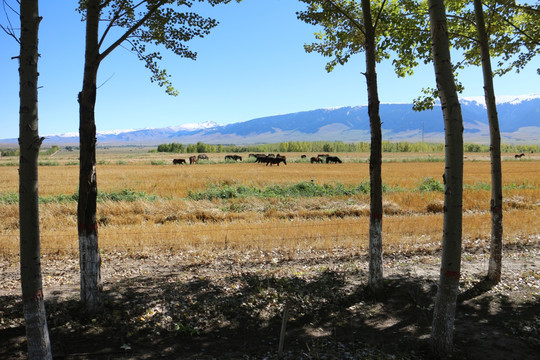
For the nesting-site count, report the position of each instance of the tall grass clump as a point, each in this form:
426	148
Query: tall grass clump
48	163
301	189
125	195
430	184
157	162
9	198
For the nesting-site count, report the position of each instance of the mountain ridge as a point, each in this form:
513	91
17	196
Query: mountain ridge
519	118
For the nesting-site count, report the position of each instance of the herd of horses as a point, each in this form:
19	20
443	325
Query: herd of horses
271	159
268	159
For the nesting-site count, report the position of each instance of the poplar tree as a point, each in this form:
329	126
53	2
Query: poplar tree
349	28
445	304
37	333
145	24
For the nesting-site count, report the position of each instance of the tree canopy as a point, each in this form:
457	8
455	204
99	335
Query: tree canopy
148	24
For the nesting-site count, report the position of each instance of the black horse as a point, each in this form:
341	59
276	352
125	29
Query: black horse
275	160
333	159
178	161
233	157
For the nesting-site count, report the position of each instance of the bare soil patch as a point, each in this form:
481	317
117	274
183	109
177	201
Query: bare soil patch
228	305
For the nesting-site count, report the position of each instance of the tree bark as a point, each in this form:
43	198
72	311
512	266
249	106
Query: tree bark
445	306
89	257
375	280
37	333
495	258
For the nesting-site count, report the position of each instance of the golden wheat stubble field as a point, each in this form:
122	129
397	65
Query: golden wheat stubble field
413	218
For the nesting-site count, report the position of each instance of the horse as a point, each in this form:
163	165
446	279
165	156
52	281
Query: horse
519	156
275	160
233	157
333	159
192	159
202	157
317	160
179	161
303	156
259	158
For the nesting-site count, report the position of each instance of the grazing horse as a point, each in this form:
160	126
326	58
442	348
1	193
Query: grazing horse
333	159
233	157
202	157
317	160
303	156
179	161
275	160
192	160
519	156
259	158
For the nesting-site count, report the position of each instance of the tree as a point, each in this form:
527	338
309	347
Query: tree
148	22
348	29
37	333
445	305
495	258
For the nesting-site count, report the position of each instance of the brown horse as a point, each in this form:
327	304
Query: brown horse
202	157
317	160
519	156
192	160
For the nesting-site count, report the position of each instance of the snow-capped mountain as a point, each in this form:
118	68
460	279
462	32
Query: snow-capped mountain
519	118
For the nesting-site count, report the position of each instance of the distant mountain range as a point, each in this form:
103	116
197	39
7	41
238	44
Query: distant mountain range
519	118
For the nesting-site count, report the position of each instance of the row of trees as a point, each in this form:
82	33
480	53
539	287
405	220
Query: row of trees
398	30
334	146
379	28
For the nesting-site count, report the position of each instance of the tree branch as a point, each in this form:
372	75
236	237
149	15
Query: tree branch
10	33
355	23
379	14
116	16
513	25
131	30
461	18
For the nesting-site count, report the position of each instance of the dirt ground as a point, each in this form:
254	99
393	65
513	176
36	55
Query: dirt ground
229	305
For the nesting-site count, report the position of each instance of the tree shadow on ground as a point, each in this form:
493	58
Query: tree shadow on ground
239	316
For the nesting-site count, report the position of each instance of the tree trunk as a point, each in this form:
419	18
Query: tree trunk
37	333
445	306
495	258
375	280
89	257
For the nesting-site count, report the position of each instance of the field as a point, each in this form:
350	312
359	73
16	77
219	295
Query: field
253	232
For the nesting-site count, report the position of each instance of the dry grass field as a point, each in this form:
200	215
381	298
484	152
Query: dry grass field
413	218
187	275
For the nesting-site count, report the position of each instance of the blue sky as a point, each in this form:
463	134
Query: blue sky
252	65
